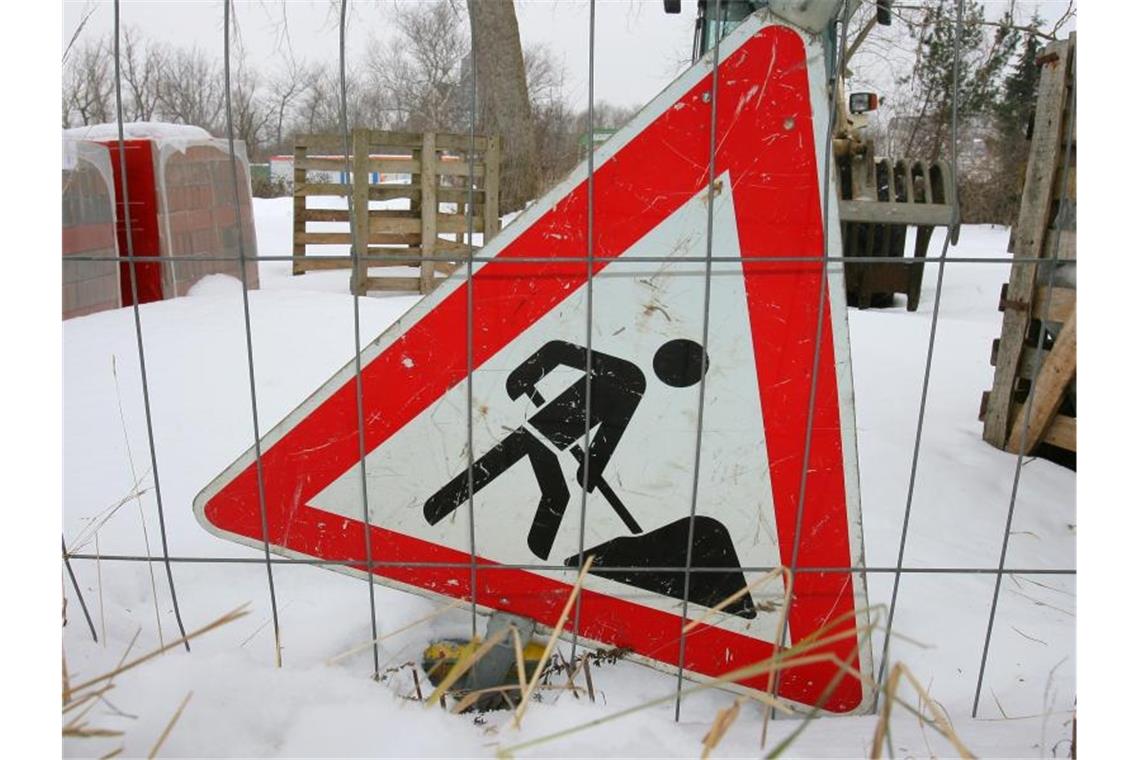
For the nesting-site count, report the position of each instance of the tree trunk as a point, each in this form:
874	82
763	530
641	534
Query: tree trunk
503	104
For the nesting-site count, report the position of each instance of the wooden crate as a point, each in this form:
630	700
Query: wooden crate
428	171
1046	228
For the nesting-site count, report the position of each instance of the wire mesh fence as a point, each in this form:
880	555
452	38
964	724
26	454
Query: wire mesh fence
716	252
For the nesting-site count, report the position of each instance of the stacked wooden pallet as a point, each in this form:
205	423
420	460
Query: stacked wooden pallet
1033	398
428	172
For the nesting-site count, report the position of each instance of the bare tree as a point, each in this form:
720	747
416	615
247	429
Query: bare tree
416	79
251	114
191	92
556	128
142	71
285	88
88	85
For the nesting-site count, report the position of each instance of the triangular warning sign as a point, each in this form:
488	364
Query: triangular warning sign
649	357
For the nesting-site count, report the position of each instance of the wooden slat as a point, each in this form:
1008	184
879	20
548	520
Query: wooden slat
442	245
443	140
319	142
324	238
307	189
359	206
318	163
1066	249
450	223
1062	432
299	214
380	238
429	207
1057	371
1061	303
391	283
389	192
313	263
1031	224
325	215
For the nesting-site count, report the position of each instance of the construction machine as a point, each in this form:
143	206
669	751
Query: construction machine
879	196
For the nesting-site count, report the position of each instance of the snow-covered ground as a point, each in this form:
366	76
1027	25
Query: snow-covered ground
243	705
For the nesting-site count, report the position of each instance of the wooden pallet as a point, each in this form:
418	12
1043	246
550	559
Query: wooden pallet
429	170
1041	296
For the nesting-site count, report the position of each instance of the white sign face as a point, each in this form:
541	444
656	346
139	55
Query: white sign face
638	308
648	356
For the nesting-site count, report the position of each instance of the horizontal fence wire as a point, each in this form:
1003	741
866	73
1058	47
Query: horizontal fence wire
347	260
566	569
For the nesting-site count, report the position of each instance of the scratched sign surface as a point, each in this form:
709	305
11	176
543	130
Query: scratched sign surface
532	459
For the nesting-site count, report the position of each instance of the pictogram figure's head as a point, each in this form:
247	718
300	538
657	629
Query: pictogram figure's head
680	363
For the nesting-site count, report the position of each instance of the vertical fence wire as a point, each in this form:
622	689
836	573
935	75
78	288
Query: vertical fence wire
138	324
955	217
469	293
1062	209
226	17
357	247
821	310
78	593
704	347
589	321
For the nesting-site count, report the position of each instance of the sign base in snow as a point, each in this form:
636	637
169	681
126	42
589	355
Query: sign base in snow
532	371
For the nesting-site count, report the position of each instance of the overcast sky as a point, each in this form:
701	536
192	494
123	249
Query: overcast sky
640	49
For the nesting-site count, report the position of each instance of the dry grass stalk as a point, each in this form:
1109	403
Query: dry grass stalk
83	700
416	681
889	689
720	725
780	626
138	501
80	731
939	723
66	681
941	720
520	659
553	640
732	598
169	726
99	585
364	645
112	753
816	709
465	664
96	522
793	657
229	617
589	678
506	690
84	695
93	698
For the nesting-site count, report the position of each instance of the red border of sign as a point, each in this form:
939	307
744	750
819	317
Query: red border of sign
765	143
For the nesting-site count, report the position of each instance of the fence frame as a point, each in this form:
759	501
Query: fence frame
1024	264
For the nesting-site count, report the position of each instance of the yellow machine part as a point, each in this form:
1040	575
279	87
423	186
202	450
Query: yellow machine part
441	656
